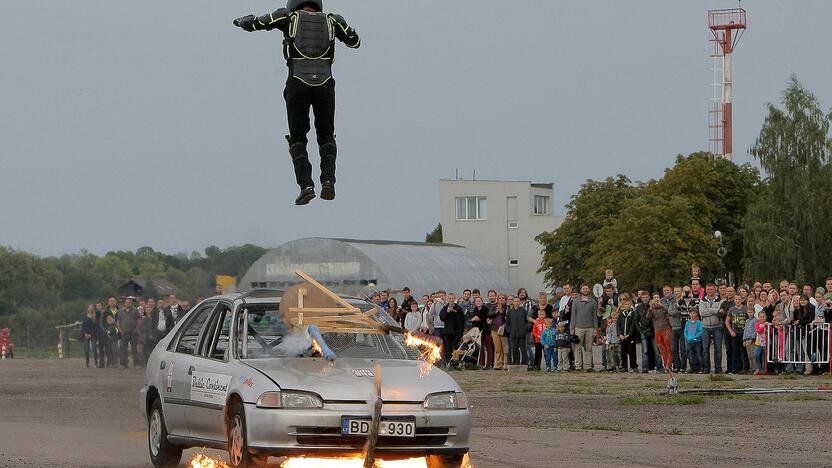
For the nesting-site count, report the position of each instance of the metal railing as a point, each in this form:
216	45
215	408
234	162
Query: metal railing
798	344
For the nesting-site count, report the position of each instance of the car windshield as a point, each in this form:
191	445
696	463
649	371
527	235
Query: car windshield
268	336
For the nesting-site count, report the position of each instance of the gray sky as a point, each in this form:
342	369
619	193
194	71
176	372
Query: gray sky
158	123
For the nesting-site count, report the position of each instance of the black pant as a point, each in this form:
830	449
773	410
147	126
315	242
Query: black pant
737	356
628	354
106	354
451	341
128	339
517	344
678	346
538	355
299	98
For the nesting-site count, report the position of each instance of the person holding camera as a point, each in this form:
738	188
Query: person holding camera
516	328
713	327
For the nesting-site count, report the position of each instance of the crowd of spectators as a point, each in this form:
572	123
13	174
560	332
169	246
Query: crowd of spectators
116	334
761	328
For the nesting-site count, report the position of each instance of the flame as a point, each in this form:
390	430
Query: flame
317	348
355	461
466	462
431	352
201	460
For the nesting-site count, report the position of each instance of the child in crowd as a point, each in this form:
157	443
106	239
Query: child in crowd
563	343
693	336
696	278
609	280
749	335
760	345
550	352
613	343
537	333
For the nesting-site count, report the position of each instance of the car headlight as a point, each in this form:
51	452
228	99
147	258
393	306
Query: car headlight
449	400
289	399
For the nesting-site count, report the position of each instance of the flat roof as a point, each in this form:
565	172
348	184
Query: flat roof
533	184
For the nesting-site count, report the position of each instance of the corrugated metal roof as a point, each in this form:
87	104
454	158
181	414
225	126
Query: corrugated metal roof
347	265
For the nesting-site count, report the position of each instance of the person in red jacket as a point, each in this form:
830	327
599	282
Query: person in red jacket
537	332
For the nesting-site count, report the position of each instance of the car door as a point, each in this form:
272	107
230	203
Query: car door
175	370
211	377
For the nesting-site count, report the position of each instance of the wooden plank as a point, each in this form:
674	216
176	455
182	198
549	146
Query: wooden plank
326	291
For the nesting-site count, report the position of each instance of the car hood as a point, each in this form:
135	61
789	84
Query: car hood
352	379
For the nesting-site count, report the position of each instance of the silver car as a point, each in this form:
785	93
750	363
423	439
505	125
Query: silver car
231	375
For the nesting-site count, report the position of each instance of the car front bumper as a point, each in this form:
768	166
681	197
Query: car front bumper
318	431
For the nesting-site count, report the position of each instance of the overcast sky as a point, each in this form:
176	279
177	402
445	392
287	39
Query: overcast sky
156	123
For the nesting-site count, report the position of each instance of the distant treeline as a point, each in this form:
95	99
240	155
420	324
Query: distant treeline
38	293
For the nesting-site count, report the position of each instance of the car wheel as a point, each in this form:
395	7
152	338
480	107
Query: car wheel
162	452
445	461
238	452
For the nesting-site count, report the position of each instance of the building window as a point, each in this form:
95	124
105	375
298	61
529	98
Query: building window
541	205
471	208
513	262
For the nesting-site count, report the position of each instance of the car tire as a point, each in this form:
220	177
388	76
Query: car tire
445	461
238	453
162	452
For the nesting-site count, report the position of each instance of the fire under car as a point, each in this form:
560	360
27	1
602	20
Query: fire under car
239	374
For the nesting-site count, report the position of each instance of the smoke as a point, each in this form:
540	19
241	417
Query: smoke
296	343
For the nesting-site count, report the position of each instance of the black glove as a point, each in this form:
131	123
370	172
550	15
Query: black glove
245	22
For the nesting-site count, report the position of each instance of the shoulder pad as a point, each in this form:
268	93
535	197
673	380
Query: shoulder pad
338	19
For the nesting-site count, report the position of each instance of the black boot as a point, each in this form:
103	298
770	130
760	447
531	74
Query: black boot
306	195
328	190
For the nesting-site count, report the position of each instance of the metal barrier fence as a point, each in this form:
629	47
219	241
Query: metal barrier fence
798	344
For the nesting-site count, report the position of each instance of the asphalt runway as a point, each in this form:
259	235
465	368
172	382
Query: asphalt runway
55	413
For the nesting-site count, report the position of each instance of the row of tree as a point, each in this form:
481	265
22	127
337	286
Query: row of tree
37	293
773	226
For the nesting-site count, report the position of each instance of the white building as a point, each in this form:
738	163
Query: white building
499	220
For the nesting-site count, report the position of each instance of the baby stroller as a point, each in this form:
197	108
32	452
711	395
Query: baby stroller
468	353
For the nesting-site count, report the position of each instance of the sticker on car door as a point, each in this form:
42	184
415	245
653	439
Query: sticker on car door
209	388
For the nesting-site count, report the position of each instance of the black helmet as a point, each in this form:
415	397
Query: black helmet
294	5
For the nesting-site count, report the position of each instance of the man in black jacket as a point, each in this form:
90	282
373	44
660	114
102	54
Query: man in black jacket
309	49
516	327
454	317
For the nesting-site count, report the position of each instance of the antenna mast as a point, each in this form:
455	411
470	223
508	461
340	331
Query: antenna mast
727	27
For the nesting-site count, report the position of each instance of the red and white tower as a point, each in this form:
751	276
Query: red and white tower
727	27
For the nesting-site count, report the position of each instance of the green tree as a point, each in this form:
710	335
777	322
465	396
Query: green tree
567	249
786	226
652	241
27	280
721	192
435	236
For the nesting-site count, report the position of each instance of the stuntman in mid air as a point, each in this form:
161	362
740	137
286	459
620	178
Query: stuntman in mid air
309	49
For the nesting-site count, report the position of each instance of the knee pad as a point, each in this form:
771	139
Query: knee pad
298	151
329	149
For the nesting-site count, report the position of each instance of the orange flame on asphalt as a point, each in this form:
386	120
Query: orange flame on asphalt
431	352
204	461
356	461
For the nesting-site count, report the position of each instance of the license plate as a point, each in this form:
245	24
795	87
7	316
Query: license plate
386	428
